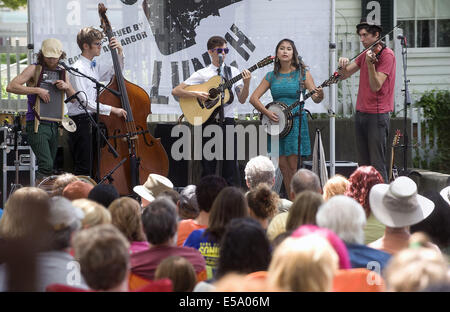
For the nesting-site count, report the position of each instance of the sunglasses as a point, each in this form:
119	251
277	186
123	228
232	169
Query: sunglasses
220	50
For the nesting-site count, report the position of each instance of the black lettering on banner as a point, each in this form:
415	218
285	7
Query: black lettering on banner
73	59
186	71
196	63
154	92
136	27
175	77
242	40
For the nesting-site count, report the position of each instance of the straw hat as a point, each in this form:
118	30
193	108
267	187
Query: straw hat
154	185
398	204
52	48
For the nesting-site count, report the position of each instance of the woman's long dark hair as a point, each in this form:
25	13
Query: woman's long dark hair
230	203
297	61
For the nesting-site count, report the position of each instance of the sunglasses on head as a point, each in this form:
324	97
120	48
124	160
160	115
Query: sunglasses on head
220	50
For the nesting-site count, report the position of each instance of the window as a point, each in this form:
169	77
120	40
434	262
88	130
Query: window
426	23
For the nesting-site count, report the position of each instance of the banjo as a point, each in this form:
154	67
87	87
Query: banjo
284	112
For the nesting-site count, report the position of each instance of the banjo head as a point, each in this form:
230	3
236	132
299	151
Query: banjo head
284	124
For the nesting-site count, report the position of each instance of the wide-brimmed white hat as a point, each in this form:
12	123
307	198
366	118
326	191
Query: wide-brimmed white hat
445	193
398	204
154	185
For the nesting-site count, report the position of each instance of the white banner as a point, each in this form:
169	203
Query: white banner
165	40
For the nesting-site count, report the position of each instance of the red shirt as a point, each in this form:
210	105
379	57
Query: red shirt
383	100
144	263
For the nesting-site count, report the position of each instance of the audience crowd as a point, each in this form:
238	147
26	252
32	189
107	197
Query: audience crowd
355	234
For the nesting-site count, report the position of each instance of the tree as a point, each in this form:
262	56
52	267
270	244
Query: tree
13	4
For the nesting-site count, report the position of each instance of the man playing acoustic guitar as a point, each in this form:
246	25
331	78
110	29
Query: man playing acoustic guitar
217	48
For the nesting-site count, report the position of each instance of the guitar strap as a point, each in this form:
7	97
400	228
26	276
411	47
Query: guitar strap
228	76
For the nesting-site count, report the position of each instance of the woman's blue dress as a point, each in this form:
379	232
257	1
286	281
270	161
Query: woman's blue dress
284	88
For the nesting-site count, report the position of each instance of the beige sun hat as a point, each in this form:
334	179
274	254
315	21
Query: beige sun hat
398	204
52	48
445	193
154	185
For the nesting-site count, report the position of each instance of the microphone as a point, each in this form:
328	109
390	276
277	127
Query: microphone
402	39
73	96
67	67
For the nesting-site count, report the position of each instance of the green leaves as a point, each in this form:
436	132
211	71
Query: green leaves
13	4
436	109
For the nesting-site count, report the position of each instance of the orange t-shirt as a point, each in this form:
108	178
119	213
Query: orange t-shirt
185	227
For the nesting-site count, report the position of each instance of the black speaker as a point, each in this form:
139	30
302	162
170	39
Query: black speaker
344	168
178	169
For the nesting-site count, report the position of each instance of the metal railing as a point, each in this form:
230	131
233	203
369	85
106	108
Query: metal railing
10	102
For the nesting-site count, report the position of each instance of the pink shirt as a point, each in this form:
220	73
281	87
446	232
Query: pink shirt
383	100
138	246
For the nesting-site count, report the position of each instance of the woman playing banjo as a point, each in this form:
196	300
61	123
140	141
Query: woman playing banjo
284	85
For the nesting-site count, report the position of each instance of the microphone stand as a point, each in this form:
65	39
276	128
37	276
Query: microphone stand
98	87
109	174
299	114
407	102
17	127
93	122
221	114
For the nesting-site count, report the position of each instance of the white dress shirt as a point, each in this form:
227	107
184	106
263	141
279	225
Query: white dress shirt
204	74
100	72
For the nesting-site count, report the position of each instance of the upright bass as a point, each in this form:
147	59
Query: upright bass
130	138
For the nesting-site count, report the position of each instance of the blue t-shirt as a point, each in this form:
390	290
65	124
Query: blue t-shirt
361	255
208	247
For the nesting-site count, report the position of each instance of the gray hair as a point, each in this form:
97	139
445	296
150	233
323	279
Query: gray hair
259	169
160	220
345	217
305	180
62	239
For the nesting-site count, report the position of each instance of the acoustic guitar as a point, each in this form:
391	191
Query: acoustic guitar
393	172
198	112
